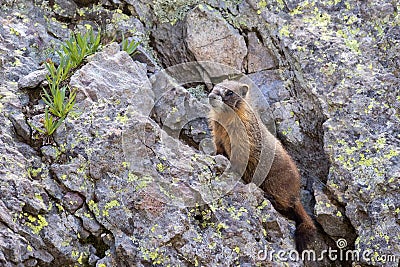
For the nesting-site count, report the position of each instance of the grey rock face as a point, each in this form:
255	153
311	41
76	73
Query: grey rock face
33	79
65	8
210	38
170	44
90	79
122	183
259	57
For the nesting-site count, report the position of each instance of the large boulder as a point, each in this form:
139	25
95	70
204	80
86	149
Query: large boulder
210	38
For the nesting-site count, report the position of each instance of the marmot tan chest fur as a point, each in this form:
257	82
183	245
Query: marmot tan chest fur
239	134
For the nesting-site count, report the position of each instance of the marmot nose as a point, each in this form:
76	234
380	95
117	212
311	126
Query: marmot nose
212	95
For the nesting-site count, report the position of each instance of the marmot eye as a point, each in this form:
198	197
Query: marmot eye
229	92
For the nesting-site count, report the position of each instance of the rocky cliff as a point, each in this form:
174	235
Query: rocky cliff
129	179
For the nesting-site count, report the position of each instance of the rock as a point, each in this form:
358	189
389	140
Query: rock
170	45
271	85
33	79
51	153
72	201
65	9
182	116
88	221
6	218
90	80
259	58
210	38
144	56
330	216
85	2
361	145
20	125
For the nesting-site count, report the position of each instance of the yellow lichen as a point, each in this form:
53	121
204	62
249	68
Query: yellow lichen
112	204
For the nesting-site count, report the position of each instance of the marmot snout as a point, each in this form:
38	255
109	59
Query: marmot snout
223	97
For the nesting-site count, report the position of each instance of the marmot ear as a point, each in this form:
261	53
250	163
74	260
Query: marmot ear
244	88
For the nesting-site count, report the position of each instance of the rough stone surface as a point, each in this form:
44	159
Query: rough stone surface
259	57
33	79
210	38
182	115
170	44
122	182
65	8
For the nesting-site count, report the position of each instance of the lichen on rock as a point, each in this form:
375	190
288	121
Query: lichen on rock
128	179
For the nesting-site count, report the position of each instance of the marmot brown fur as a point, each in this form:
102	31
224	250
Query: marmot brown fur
239	134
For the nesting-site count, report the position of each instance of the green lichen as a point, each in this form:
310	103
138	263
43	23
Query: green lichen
236	214
112	204
34	172
14	32
123	119
199	238
132	177
153	228
156	256
93	206
125	164
212	245
171	11
143	182
221	226
160	167
36	223
284	31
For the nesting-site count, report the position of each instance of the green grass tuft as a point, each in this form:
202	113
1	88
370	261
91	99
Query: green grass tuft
129	47
60	100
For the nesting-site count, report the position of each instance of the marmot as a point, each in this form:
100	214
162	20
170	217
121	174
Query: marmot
239	134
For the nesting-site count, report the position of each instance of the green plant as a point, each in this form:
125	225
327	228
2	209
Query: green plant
79	46
50	124
59	105
59	74
60	100
129	47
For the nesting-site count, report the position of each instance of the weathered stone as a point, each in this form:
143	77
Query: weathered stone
65	9
88	221
72	201
127	77
170	45
271	85
210	38
258	57
33	79
182	115
330	217
50	152
20	125
85	2
144	56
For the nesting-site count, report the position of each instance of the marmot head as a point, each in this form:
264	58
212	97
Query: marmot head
228	95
